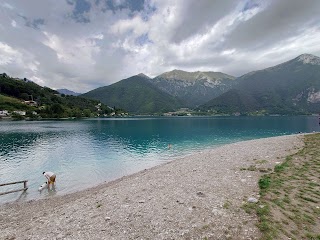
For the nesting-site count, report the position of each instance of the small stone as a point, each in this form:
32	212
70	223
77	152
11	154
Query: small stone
200	194
216	211
252	200
142	201
60	236
107	218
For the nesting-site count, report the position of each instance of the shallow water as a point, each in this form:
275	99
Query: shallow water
88	152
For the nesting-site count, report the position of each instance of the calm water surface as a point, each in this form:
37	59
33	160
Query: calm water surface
88	152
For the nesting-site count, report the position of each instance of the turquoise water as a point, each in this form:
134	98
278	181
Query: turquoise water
88	152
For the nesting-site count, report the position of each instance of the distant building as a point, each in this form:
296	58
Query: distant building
4	113
22	113
98	107
31	103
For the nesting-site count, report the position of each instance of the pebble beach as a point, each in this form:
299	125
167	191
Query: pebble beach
199	196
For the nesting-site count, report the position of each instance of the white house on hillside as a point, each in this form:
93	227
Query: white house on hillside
4	113
22	113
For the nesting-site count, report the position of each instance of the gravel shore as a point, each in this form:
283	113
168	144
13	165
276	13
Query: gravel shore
195	197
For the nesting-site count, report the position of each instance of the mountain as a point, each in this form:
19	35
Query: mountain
38	101
136	95
290	87
67	92
194	88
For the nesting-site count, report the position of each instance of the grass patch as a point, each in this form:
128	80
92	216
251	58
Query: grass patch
250	168
264	183
227	205
11	104
261	161
249	207
289	196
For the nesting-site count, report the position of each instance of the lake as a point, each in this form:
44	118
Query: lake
85	153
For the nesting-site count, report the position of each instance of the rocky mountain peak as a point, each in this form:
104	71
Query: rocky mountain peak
309	59
194	76
143	75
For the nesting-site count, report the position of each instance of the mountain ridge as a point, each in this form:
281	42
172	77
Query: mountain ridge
194	76
194	88
292	86
67	92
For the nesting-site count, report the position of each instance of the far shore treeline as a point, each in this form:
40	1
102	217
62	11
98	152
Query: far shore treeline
24	99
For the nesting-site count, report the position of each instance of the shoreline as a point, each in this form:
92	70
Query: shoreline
199	195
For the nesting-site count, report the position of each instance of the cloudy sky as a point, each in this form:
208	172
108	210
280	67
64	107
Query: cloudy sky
85	44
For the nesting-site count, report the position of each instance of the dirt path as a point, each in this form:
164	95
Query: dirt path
196	197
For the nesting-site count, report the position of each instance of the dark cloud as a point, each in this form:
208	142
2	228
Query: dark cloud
280	20
198	16
36	23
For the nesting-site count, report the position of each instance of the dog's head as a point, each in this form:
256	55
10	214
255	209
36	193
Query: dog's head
44	184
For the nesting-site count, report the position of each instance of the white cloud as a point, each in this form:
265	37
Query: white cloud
8	54
42	40
14	23
99	36
135	25
7	5
80	51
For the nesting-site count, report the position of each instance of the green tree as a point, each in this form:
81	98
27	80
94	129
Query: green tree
87	112
24	96
57	109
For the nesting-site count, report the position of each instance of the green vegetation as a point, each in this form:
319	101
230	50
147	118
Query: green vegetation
283	89
11	104
289	207
42	102
136	95
227	205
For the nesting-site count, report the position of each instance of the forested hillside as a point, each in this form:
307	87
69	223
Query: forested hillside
43	102
137	95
